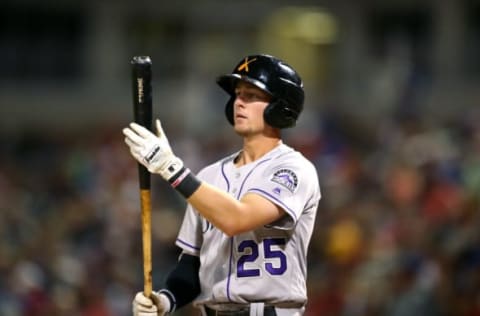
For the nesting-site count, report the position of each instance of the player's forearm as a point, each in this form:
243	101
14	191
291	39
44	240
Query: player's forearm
219	208
230	215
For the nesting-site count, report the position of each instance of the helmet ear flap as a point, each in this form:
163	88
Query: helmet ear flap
229	110
279	115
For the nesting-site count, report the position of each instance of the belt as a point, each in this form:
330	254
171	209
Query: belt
267	311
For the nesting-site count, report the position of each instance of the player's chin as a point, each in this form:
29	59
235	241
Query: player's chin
241	129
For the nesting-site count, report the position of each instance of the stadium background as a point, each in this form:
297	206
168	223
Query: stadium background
391	122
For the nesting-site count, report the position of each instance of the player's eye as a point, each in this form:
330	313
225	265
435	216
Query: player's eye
248	95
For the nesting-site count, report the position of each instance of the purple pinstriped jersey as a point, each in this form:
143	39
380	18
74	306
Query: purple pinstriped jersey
269	263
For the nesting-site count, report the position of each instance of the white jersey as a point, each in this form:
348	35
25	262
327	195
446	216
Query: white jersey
267	264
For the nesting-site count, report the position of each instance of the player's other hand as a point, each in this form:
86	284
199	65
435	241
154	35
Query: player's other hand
156	305
152	151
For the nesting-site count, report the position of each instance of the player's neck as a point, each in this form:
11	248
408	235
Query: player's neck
254	149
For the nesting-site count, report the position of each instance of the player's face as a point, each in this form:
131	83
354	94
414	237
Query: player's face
250	102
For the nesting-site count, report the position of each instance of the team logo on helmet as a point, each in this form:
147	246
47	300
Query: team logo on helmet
286	178
244	66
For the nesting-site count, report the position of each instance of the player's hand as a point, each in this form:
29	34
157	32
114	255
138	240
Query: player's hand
152	151
157	305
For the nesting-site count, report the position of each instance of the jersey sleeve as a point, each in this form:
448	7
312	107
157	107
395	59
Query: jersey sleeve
190	235
292	185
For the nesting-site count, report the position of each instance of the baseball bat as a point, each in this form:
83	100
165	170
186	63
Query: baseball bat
142	105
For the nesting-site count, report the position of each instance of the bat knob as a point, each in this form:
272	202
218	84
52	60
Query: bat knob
141	60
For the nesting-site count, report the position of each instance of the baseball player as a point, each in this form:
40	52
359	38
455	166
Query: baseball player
250	216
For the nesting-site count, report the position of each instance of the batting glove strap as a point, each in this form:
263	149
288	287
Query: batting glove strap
185	182
171	168
171	298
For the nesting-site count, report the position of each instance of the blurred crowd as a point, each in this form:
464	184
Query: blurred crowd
397	230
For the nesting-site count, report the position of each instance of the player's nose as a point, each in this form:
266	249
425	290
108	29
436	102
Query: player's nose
239	102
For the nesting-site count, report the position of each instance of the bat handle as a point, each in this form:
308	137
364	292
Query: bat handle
145	198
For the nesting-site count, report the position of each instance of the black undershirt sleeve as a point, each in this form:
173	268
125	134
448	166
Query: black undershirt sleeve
182	285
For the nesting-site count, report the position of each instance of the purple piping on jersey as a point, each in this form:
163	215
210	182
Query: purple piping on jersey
225	176
248	175
187	244
288	210
230	269
231	238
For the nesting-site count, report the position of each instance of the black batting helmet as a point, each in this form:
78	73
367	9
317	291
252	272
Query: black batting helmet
276	78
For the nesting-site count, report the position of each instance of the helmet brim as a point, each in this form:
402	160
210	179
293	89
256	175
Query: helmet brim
229	82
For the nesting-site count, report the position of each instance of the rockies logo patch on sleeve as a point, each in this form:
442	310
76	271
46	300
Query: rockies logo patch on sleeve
286	178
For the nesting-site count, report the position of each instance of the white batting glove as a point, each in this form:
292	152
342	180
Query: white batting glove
152	151
157	305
